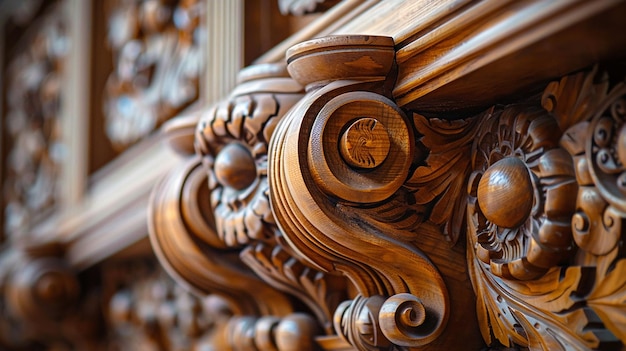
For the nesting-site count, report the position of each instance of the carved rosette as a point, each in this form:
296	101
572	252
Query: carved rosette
550	276
232	139
522	194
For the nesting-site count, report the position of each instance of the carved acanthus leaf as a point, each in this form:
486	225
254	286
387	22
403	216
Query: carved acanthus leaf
576	97
439	180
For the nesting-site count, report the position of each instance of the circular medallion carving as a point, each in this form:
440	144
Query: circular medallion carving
375	171
365	144
522	194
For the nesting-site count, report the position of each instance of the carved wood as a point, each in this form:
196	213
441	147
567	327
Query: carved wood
159	57
223	219
424	179
42	303
547	275
383	196
34	79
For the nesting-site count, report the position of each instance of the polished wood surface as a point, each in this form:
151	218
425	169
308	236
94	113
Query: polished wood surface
399	175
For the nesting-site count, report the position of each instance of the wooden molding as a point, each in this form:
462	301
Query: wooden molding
417	176
368	183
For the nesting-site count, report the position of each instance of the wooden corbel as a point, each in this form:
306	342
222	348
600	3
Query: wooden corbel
213	230
338	163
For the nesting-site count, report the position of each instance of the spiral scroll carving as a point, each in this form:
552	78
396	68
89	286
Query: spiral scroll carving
385	149
213	227
344	152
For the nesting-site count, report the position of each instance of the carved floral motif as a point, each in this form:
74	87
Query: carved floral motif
574	300
523	193
232	138
158	59
342	184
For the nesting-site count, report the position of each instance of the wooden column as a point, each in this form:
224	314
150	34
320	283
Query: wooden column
224	47
75	101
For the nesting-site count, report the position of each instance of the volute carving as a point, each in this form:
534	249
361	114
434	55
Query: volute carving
319	184
342	200
224	221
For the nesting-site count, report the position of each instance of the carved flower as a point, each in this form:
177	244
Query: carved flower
232	139
522	194
234	147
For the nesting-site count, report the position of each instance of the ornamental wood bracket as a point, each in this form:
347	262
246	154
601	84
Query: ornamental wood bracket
397	230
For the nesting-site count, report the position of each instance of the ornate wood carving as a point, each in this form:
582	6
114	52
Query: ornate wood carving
545	248
351	214
213	216
358	218
383	220
361	189
158	60
41	301
33	126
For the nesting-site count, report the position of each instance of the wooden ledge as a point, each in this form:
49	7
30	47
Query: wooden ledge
462	55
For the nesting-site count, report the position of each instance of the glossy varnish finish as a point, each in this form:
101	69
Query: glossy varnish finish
416	176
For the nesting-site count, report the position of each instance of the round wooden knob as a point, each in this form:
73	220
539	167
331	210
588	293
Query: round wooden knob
235	167
505	193
50	287
365	144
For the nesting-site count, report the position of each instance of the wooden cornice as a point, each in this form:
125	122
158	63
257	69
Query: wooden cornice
454	55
